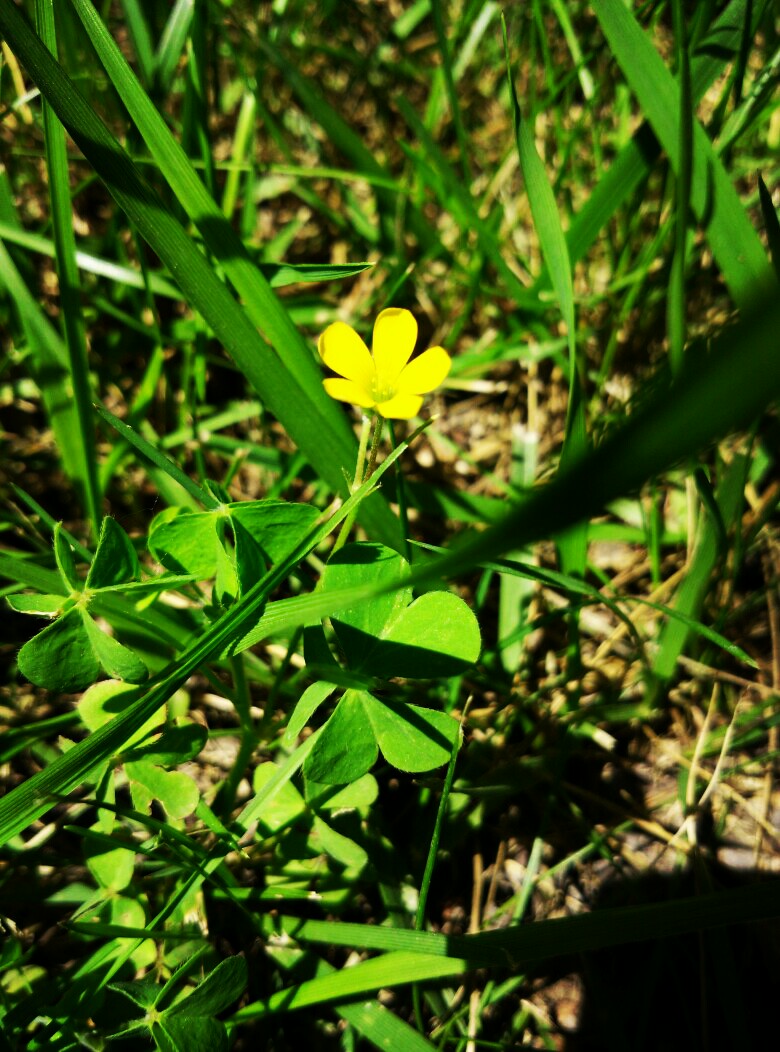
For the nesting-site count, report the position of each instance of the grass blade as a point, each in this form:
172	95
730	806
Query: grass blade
70	299
713	394
733	240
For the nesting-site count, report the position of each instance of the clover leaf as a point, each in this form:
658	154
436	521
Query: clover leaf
389	636
69	653
187	1025
233	543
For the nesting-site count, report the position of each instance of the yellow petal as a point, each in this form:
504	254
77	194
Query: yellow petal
425	373
402	407
395	334
344	352
348	391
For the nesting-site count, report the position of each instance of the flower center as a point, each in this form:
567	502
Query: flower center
382	391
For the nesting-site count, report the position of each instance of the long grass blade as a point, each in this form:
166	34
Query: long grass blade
69	292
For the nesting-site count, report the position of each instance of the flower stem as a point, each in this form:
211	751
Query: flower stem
400	496
359	476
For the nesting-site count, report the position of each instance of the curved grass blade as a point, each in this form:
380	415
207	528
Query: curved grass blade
714	393
146	449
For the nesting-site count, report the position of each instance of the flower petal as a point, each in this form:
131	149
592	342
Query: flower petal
349	391
344	352
425	373
395	334
402	407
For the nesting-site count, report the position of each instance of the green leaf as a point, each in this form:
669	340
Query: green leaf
142	992
44	605
277	526
305	707
227	635
118	661
218	991
287	805
365	564
66	562
263	531
346	748
190	1034
323	839
115	560
177	793
60	657
186	542
103	701
412	738
174	746
438	635
279	274
111	866
358	795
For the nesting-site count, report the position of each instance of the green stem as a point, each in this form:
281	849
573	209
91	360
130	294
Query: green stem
400	495
243	703
425	886
359	477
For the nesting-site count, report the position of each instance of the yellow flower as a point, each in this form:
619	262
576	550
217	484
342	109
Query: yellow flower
385	379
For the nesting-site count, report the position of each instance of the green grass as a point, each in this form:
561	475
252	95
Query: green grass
579	203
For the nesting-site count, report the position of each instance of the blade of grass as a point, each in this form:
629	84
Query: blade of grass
348	143
452	95
146	449
733	240
172	42
458	201
676	306
708	547
278	275
242	145
771	225
528	943
713	394
49	360
433	956
69	291
574	543
141	38
389	970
